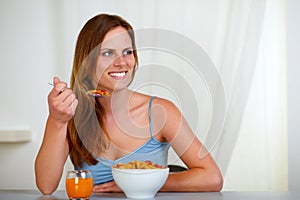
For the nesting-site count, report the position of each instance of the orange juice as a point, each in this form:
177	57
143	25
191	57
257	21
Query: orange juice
79	187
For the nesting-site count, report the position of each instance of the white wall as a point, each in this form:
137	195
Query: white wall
28	61
293	72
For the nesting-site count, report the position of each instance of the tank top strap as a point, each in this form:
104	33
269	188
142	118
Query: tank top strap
150	116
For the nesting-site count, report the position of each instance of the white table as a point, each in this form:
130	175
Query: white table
60	195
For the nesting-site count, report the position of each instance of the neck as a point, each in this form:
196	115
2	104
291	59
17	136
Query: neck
117	102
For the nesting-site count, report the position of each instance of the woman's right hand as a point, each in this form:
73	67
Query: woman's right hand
62	102
55	148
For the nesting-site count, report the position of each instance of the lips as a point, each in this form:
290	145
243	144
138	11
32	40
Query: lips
117	75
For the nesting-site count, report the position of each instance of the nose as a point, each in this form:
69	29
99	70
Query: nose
120	61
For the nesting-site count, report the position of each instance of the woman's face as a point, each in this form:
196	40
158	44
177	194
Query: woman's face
115	63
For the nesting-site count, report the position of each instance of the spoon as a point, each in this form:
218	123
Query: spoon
95	93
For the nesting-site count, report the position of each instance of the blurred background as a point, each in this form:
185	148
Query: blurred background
252	44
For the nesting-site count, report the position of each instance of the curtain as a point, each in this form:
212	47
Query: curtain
223	68
254	132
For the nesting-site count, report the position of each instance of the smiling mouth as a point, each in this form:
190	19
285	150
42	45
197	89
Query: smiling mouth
117	75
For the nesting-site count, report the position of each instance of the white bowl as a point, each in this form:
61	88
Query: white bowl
140	183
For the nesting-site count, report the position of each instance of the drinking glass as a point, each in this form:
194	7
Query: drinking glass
79	184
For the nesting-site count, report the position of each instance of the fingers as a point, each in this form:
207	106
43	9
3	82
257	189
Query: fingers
65	96
55	80
62	101
107	187
58	87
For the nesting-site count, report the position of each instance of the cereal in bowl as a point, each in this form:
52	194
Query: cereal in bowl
137	164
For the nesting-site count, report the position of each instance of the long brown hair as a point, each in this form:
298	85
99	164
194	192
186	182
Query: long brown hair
86	131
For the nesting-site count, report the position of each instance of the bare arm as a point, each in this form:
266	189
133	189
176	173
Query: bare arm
203	173
54	150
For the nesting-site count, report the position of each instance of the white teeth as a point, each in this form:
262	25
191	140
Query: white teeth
118	74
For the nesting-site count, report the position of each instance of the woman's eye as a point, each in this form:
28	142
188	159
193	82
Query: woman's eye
128	52
107	53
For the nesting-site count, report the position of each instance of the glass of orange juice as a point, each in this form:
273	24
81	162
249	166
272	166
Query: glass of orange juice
79	184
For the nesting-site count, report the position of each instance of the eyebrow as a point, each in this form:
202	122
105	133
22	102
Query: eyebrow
115	49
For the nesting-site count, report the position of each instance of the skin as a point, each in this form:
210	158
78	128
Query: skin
127	122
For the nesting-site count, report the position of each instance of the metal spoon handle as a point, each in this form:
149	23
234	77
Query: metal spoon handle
94	93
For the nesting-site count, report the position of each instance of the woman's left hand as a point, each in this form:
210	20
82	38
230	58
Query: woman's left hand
107	187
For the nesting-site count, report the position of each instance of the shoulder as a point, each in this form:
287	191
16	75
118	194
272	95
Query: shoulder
140	98
165	104
167	113
159	106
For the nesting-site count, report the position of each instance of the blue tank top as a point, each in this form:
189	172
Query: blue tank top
153	150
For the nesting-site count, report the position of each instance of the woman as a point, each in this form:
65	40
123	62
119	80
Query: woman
122	127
